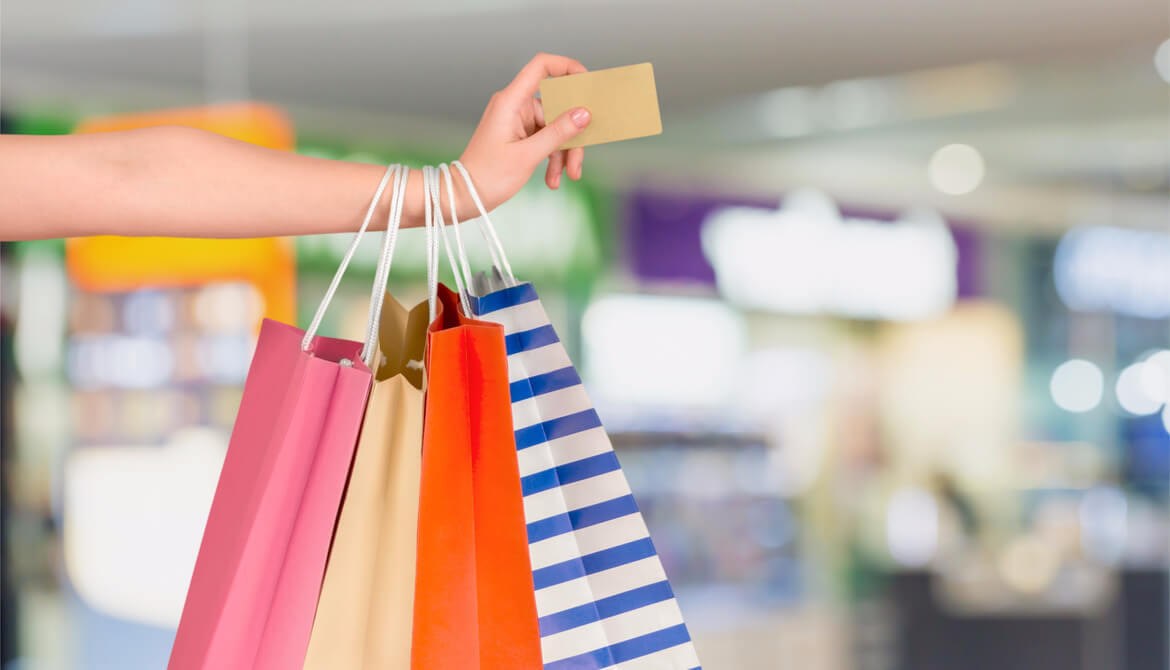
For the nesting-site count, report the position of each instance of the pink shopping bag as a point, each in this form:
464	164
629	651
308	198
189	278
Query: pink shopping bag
259	568
258	574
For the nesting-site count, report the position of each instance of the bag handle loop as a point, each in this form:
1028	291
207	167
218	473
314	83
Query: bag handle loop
433	216
495	247
395	171
382	275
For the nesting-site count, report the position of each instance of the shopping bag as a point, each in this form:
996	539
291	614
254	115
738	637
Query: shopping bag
474	605
601	593
258	573
364	615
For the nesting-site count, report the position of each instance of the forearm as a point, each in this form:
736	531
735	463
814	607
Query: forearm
182	182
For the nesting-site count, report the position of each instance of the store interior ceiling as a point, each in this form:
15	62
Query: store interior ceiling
1063	99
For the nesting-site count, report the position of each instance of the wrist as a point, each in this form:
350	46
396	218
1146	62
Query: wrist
413	208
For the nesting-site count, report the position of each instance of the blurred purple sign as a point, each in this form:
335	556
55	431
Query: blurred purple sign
664	236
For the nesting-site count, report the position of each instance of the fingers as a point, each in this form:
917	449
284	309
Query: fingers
561	160
574	160
533	118
556	165
527	81
550	138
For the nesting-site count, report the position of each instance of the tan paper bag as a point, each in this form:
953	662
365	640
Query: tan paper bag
365	612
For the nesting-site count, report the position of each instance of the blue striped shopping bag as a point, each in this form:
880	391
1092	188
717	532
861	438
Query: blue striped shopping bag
601	593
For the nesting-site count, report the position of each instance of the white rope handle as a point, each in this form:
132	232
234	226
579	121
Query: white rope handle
485	224
432	248
433	192
432	218
378	293
455	226
495	254
307	341
388	241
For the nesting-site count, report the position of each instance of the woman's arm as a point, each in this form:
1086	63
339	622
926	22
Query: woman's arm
183	182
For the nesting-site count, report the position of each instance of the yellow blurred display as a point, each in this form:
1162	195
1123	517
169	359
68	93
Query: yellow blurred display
114	264
109	263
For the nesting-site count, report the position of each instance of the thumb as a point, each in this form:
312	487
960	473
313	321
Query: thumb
564	128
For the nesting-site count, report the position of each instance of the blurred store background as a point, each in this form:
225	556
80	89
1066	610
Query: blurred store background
880	325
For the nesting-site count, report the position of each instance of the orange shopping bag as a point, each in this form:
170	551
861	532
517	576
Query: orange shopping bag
474	604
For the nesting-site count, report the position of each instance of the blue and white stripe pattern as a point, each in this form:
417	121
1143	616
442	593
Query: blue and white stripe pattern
601	593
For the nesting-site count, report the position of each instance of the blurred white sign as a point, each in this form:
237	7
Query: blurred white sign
662	351
134	518
804	258
1115	270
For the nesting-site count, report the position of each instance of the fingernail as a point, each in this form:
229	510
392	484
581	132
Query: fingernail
580	117
556	181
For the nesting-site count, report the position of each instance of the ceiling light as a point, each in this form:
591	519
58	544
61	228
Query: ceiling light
787	112
1162	60
956	169
1131	394
1077	385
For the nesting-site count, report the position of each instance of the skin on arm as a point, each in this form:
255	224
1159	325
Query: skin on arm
184	182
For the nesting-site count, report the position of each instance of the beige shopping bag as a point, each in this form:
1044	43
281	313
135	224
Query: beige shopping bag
364	615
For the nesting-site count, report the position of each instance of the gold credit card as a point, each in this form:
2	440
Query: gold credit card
622	101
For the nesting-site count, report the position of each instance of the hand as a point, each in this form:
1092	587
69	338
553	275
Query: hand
512	138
